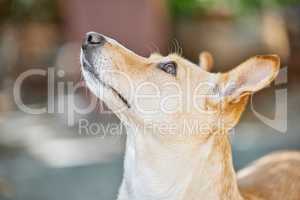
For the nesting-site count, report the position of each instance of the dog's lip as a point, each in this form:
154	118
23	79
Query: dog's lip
115	92
87	66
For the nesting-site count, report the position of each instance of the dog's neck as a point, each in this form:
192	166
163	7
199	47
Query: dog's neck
156	169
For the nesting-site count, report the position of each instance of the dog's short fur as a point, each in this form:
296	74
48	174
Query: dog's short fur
160	100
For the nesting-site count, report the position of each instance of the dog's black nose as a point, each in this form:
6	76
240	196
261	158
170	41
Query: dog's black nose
93	39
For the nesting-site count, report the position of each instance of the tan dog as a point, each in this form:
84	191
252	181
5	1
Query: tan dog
177	117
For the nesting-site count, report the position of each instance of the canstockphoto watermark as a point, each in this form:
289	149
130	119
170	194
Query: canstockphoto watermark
159	101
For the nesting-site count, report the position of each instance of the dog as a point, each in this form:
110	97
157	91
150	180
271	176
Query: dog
177	116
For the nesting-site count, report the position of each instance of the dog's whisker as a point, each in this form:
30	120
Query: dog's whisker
149	49
156	48
177	46
152	48
173	46
179	49
170	49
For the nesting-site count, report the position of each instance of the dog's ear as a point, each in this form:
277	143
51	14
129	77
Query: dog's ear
250	76
206	61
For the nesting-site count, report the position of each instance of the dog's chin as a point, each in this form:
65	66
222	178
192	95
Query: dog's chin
101	89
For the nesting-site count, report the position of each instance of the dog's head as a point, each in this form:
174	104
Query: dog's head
170	93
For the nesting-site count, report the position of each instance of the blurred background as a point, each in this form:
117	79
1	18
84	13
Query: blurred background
47	156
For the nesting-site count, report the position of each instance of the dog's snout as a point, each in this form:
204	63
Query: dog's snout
93	39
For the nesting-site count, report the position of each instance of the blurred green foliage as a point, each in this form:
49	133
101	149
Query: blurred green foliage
188	8
18	11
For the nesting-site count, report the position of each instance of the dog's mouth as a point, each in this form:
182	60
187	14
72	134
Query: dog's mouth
91	70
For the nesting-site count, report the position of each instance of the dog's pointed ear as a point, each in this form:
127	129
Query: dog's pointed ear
206	61
251	76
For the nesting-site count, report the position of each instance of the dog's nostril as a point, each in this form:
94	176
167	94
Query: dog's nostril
90	39
94	38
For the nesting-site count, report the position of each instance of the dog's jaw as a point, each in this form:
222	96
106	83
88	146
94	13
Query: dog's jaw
92	75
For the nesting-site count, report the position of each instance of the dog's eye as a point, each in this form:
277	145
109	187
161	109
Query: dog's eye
169	67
